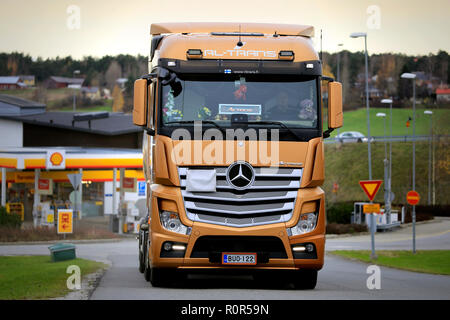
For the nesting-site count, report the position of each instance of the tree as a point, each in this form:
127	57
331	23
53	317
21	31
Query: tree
112	74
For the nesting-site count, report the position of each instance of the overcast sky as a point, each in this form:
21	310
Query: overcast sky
50	28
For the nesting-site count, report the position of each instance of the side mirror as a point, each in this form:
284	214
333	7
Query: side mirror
335	114
140	102
144	226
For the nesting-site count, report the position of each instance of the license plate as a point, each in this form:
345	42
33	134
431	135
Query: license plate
238	258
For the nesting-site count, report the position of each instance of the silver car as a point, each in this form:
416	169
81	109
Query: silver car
351	136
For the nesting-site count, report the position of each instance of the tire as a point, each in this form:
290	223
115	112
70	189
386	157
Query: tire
359	141
147	269
305	279
159	277
141	263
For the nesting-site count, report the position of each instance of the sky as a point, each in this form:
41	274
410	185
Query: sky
50	28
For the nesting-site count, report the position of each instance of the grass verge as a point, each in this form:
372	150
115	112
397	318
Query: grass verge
37	277
427	261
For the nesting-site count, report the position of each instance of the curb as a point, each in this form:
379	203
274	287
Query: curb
405	225
63	241
346	235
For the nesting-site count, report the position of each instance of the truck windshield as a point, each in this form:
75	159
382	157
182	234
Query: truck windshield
253	99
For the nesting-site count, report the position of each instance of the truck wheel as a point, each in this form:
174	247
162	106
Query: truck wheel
159	277
141	263
147	269
305	279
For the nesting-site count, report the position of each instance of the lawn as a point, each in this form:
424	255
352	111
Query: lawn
356	120
36	277
347	164
429	261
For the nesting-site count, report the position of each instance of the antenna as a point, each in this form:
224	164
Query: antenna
240	44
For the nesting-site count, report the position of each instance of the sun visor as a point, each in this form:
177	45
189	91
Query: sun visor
201	180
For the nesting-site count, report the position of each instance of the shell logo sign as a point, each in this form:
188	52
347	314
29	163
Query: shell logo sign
56	159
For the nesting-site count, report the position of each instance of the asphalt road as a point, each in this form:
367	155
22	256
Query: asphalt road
339	279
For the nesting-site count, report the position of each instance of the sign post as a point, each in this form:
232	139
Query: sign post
371	188
75	180
413	198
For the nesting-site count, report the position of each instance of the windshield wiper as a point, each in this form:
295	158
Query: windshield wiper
279	123
192	121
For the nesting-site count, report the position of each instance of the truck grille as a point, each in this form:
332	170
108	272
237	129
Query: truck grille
270	199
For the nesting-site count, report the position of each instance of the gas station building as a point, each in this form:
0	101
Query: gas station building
40	150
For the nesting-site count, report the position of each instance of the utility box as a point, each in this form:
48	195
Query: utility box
62	251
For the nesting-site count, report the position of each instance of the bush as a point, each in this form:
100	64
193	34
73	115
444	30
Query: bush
337	228
9	219
339	212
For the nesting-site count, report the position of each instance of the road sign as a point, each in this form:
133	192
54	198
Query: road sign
371	208
75	179
413	197
370	187
65	221
141	188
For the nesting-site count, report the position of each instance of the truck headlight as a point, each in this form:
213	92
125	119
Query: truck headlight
171	222
306	223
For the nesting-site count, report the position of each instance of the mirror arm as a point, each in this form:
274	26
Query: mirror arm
150	131
326	134
149	76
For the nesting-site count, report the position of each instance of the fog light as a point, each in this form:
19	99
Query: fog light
178	247
309	247
299	248
167	246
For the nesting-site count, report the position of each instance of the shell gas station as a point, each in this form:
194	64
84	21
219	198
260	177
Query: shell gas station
35	183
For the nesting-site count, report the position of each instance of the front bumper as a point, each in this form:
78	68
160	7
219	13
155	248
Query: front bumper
236	236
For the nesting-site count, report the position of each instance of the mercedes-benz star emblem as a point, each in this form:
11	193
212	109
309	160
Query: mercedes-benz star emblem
240	175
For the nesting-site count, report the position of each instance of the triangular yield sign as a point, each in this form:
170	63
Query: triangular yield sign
370	187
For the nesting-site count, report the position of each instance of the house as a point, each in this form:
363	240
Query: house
92	93
29	81
11	82
62	82
121	82
443	95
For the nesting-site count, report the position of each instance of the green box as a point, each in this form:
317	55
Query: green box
62	251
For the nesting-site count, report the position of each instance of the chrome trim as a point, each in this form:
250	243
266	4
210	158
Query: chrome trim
271	198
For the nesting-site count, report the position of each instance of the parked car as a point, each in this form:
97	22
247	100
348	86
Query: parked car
352	136
143	239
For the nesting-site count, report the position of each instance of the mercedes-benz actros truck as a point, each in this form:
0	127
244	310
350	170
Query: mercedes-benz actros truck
233	150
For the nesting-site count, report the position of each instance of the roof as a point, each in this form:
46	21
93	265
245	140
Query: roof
9	80
19	102
67	80
208	27
443	91
115	124
74	158
89	89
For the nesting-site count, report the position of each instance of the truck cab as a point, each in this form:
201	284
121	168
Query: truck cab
233	149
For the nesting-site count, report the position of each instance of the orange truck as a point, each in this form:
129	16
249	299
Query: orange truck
233	150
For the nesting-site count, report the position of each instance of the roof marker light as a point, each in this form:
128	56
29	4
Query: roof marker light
309	66
194	54
286	55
